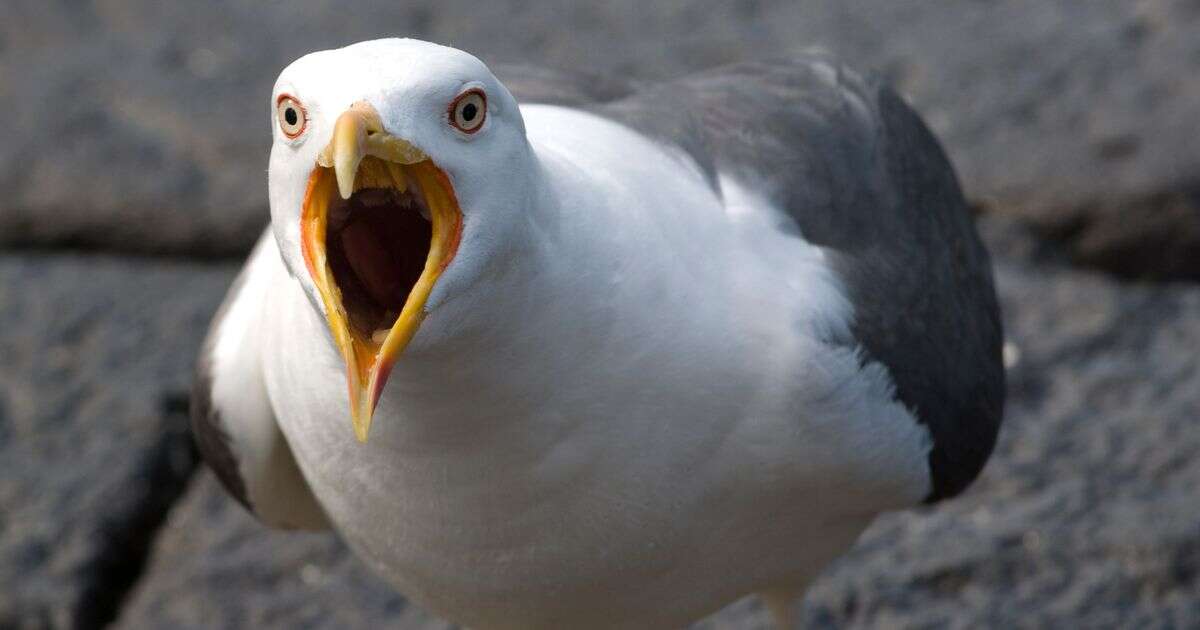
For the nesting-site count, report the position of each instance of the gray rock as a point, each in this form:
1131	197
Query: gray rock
1084	518
92	449
144	126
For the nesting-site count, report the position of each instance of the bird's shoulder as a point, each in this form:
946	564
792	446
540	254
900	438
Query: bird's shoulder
863	178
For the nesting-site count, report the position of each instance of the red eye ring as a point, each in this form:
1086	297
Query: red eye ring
468	111
291	115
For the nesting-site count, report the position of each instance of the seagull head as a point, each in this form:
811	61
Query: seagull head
395	166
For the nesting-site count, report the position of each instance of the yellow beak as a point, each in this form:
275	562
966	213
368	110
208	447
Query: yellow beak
361	155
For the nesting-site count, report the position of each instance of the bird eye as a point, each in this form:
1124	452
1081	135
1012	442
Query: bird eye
468	111
292	119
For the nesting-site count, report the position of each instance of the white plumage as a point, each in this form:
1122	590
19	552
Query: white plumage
636	393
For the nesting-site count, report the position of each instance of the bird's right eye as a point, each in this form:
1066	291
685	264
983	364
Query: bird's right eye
291	115
469	110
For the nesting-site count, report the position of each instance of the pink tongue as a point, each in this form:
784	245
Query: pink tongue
370	262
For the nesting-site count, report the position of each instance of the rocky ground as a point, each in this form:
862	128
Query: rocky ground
131	171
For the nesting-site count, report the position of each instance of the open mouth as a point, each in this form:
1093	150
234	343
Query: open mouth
380	223
376	243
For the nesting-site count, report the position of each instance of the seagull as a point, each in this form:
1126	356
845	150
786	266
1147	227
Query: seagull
567	352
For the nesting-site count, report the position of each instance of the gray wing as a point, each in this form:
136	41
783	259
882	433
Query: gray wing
232	419
863	177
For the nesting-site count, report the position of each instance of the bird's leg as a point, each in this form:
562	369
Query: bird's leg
781	603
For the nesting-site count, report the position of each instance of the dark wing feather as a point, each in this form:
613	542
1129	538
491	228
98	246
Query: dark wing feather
235	429
208	428
862	176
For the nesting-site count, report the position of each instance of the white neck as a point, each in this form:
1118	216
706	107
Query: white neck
592	274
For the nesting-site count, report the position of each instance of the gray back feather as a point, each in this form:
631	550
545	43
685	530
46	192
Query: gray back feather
864	178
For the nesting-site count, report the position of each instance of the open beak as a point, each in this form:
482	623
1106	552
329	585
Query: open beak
379	225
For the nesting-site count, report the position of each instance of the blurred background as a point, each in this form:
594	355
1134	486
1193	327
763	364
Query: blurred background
132	181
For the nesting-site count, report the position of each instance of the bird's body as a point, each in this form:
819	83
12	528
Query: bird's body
645	394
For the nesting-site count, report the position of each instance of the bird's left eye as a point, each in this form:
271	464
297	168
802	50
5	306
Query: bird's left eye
468	111
292	119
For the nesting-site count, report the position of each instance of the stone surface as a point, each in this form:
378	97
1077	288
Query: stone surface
144	126
92	452
141	127
1086	517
